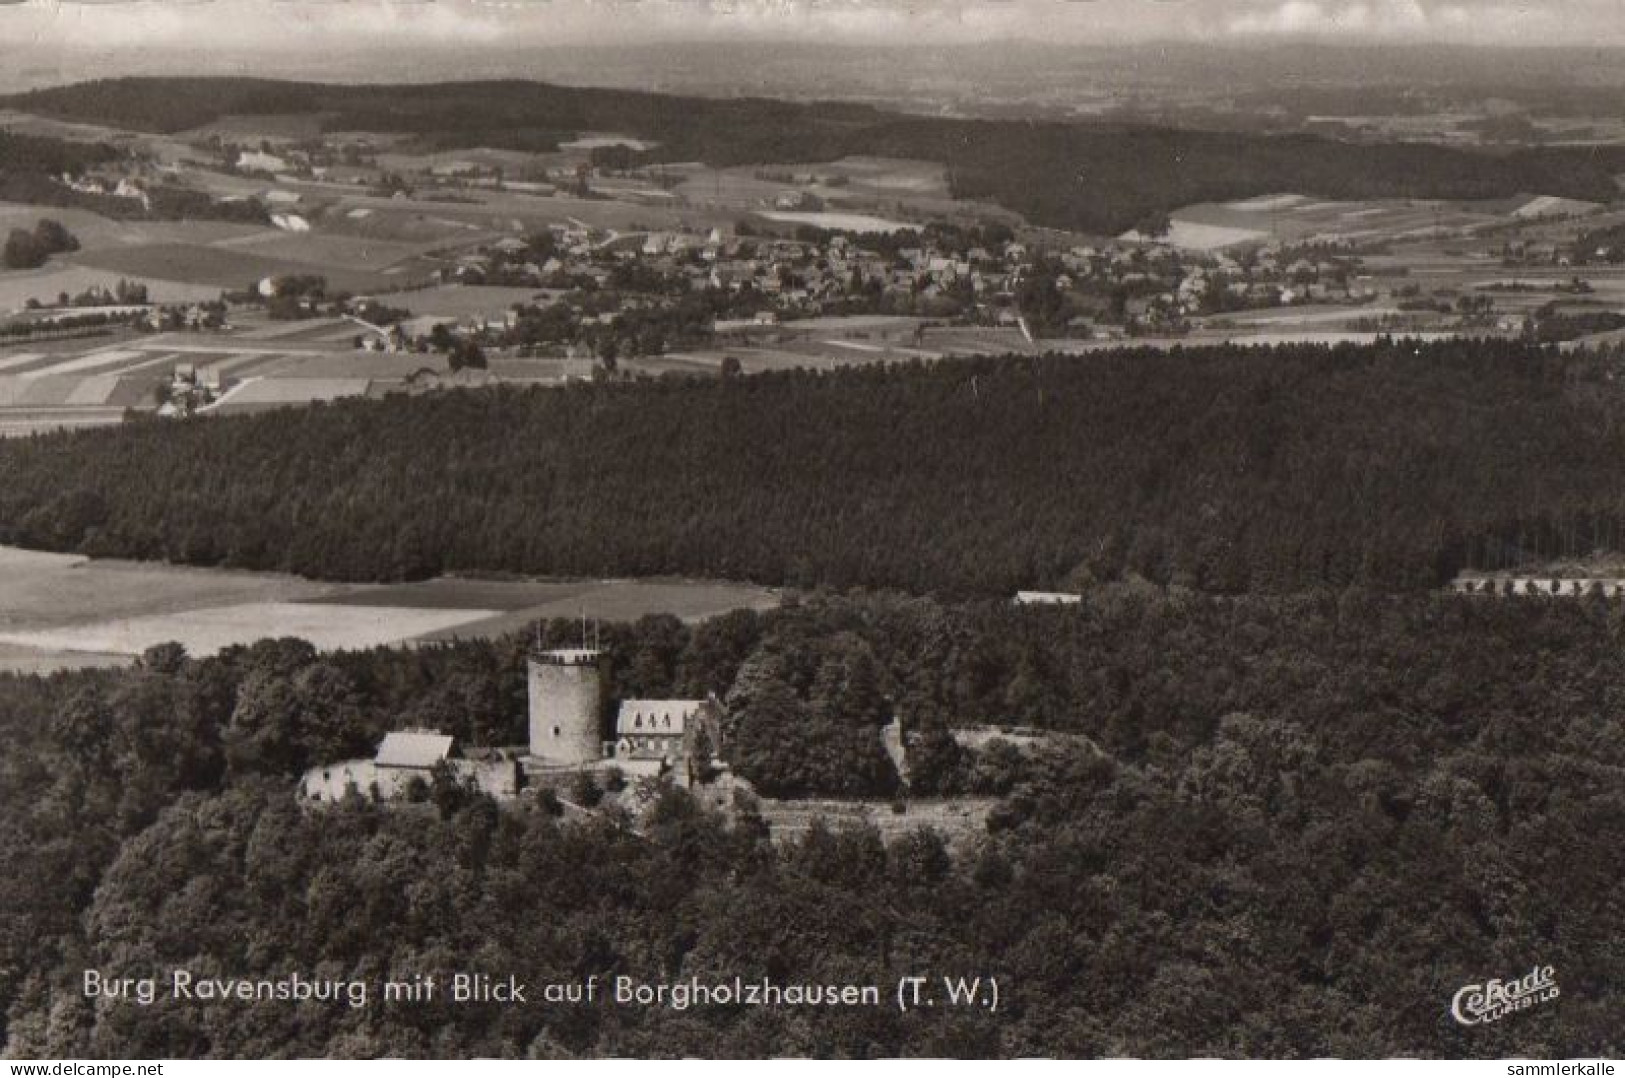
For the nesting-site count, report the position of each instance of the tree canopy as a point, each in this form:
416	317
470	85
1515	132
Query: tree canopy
1222	469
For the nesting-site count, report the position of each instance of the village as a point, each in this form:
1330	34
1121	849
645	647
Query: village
265	262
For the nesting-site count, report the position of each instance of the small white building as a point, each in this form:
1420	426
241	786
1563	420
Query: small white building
256	161
1047	598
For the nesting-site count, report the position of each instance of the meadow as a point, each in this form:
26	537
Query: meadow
219	267
63	611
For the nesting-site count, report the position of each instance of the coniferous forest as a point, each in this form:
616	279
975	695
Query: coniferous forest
1266	791
1225	470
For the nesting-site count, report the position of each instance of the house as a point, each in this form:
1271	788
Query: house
653	729
660	735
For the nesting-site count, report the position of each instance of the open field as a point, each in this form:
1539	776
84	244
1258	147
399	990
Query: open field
328	249
892	175
182	261
21	660
868	186
40	591
26	123
367	219
92	380
206	631
1191	235
91	229
1292	217
480	214
615	600
17	287
849	222
827	343
62	611
219	267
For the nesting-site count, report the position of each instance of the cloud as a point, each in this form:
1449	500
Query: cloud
327	25
1485	22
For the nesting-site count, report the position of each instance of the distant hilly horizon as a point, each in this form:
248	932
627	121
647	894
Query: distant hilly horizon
701	67
1089	177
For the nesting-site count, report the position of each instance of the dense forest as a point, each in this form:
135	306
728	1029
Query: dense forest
1092	177
1224	469
1287	827
40	155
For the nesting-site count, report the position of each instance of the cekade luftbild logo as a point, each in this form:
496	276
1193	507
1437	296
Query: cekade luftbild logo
1480	1004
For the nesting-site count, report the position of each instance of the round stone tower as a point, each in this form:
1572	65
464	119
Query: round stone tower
566	707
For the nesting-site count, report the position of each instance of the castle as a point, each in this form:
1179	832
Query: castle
676	739
648	737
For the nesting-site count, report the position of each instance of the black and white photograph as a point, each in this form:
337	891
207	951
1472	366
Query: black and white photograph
812	529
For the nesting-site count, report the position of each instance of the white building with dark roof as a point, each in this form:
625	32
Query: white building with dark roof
653	729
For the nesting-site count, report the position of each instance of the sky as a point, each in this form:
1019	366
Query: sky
43	29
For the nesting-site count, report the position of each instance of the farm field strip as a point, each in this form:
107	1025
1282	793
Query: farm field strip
229	346
84	363
144	360
21	380
19	360
240	365
207	631
92	392
36	394
21	371
279	330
